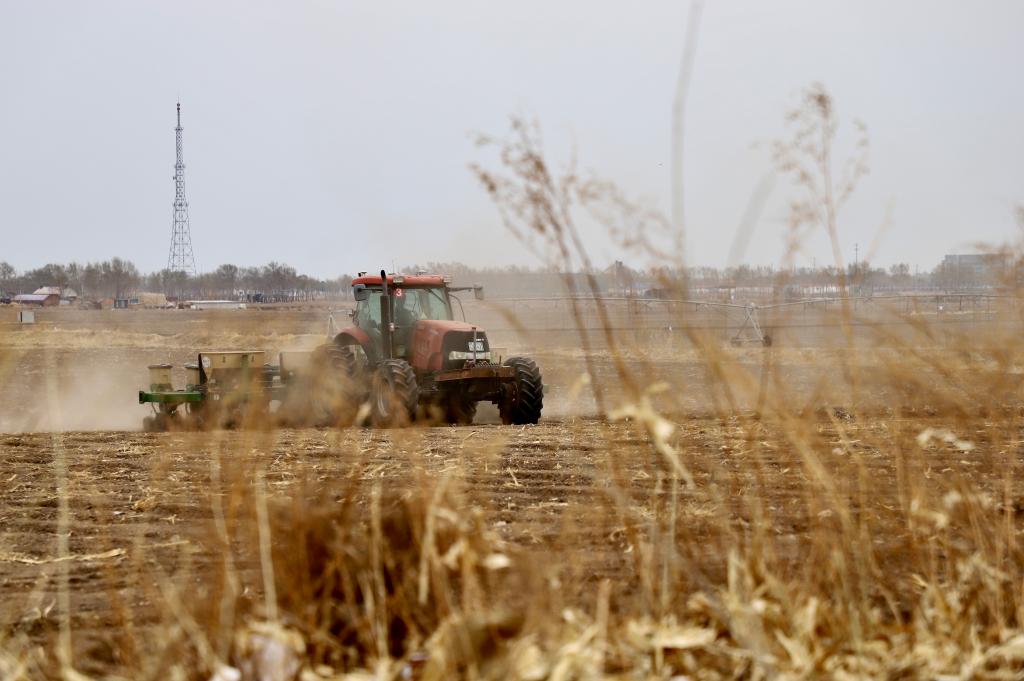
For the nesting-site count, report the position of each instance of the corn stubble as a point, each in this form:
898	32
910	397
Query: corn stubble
782	534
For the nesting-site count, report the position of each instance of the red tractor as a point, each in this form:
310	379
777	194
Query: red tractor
407	357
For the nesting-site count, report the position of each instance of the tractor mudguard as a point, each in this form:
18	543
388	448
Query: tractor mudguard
353	335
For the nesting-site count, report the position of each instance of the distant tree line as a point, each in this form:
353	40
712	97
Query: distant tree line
118	278
620	279
110	278
273	282
278	282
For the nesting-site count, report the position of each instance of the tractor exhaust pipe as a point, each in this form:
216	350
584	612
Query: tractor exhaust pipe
387	323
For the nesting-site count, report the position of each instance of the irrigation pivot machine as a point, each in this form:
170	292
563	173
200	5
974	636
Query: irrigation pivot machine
404	358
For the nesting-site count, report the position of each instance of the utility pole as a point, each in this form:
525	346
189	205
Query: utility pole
180	258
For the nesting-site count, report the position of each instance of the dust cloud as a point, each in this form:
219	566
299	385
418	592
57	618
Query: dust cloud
54	391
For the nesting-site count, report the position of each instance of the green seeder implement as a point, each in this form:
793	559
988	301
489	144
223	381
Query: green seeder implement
222	389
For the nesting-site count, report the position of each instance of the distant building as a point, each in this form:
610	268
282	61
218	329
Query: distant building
38	299
65	293
967	270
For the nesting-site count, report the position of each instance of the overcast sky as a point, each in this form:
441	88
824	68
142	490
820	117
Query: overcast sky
336	135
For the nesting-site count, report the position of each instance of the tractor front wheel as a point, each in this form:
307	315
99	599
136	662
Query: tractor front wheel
524	398
394	394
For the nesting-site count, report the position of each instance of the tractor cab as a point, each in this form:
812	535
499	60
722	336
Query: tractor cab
388	308
413	299
397	312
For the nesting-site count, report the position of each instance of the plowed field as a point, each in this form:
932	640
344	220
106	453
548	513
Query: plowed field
126	518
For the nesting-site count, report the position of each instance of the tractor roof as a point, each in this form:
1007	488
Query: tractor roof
404	280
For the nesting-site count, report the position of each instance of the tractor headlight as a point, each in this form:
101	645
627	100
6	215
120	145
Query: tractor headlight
480	355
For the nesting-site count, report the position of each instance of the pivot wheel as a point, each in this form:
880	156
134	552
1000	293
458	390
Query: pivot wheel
524	397
394	394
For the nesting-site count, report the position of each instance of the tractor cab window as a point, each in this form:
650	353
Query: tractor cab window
410	307
368	311
421	303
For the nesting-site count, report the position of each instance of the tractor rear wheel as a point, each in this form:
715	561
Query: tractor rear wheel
394	394
334	393
350	357
524	400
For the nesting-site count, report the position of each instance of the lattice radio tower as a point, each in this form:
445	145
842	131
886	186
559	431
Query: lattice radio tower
180	258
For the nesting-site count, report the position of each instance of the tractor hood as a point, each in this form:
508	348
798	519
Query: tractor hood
435	340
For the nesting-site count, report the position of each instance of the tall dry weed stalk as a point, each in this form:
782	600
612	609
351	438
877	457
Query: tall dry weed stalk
807	156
